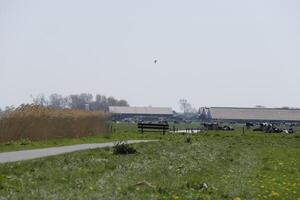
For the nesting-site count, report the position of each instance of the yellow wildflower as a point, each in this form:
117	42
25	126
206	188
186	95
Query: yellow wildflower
175	197
274	194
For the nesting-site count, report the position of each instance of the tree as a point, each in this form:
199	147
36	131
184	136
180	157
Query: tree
98	98
86	98
111	101
40	99
56	101
123	102
67	102
102	102
78	101
186	107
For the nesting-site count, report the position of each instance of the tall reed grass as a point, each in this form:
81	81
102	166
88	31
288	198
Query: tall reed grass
40	123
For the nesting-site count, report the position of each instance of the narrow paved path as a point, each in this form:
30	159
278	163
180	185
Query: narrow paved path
38	153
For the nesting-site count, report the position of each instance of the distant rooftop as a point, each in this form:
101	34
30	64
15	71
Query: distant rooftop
268	114
141	110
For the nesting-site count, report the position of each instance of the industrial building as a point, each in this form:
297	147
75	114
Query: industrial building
234	114
140	113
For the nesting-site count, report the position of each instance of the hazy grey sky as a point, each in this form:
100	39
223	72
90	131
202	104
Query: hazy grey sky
213	53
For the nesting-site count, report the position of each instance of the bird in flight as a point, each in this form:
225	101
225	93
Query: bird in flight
155	61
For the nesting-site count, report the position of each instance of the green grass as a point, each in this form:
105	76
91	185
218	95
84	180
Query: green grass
250	166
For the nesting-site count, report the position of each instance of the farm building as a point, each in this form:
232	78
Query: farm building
250	114
140	113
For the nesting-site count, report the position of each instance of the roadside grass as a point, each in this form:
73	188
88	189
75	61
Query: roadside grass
214	165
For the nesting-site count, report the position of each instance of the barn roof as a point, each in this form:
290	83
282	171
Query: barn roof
140	110
271	114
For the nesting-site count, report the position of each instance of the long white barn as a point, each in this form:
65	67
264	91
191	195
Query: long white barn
251	114
140	110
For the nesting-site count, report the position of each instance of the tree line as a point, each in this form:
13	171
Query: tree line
78	101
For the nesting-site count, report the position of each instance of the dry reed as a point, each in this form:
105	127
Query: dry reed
40	123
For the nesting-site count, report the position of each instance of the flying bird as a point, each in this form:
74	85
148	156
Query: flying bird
155	61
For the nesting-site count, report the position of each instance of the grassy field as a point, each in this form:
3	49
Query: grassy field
231	165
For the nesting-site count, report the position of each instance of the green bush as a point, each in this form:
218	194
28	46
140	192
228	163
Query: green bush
188	140
123	148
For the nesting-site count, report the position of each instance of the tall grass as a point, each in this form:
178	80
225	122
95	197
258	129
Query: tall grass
39	123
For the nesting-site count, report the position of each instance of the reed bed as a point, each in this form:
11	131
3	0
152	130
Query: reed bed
41	123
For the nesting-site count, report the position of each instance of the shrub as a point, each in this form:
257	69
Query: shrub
123	148
188	140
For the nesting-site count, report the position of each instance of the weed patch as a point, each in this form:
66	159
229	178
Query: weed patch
188	140
123	148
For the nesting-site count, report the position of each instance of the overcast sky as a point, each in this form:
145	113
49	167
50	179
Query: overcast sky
213	53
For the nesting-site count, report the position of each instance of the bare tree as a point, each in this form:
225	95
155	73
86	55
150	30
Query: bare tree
79	101
40	99
186	107
56	101
86	97
98	98
102	102
76	102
